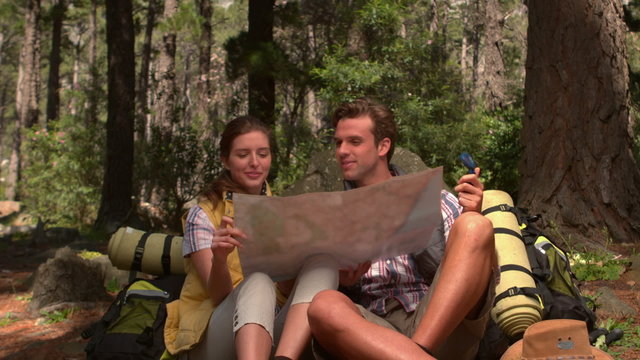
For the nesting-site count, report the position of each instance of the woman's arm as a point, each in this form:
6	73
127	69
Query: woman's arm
214	274
211	262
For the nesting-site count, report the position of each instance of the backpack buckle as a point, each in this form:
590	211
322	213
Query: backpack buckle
514	291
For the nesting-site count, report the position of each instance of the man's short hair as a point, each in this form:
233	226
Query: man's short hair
384	125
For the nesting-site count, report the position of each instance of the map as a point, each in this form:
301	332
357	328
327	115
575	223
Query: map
383	220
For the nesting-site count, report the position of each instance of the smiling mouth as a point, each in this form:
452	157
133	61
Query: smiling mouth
253	175
347	164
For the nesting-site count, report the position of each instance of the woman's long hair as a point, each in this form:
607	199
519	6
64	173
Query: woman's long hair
236	127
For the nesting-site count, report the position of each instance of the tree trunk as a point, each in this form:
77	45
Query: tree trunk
166	92
142	88
118	176
28	87
92	98
53	85
204	59
262	97
577	167
493	76
475	43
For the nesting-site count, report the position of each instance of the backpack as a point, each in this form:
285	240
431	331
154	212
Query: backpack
556	287
133	326
552	272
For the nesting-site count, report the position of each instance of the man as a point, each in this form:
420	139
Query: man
399	315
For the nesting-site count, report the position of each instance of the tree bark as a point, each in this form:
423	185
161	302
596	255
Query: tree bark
262	98
577	167
53	86
204	58
494	72
27	92
166	91
92	98
118	176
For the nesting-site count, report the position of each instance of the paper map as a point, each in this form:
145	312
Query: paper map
387	219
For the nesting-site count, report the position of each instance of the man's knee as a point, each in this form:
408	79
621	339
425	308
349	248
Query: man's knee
327	309
475	230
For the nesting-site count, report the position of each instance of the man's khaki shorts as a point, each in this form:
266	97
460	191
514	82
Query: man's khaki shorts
463	342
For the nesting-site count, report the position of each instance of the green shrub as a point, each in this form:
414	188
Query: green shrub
63	173
591	266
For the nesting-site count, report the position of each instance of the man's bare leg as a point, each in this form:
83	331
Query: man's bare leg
465	274
338	326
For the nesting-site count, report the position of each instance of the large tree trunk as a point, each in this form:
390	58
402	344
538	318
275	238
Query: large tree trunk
27	91
262	98
493	81
577	167
53	85
204	59
166	92
118	176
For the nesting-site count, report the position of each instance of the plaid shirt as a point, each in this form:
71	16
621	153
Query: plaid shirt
398	277
198	231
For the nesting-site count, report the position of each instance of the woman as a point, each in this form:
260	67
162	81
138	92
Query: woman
221	314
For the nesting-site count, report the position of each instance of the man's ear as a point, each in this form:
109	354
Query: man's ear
383	147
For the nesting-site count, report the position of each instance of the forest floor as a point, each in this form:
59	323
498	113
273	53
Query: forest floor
30	336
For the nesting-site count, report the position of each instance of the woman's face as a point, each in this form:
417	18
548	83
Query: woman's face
249	160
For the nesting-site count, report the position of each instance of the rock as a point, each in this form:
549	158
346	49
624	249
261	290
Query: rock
632	275
9	207
324	174
635	262
110	273
67	278
611	305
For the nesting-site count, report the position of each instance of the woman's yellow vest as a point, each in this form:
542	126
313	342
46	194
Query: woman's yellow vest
188	317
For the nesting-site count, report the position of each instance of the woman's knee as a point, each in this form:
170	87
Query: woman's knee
258	285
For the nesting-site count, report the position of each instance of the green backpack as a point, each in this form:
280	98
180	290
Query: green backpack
551	270
133	326
555	289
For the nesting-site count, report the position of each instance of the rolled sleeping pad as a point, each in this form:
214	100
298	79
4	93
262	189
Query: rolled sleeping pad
151	253
517	304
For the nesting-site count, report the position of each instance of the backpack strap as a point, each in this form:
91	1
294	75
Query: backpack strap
136	263
97	330
514	291
500	230
499	207
166	255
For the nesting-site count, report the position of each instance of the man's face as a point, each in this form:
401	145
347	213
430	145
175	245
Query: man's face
357	154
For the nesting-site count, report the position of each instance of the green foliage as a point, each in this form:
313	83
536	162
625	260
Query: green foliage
294	163
52	317
63	174
7	319
26	298
591	266
630	339
410	75
501	150
176	166
113	286
88	255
